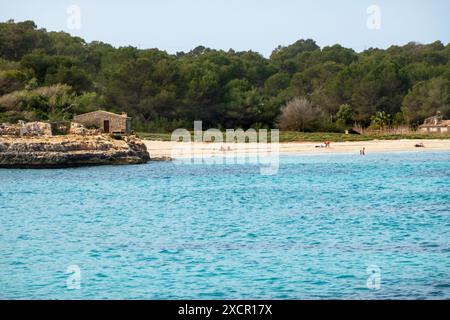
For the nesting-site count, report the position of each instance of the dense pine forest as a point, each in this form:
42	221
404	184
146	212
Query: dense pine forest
53	75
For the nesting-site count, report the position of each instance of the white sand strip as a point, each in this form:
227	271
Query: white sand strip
165	148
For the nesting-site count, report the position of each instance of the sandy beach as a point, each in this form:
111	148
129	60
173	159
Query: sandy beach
160	149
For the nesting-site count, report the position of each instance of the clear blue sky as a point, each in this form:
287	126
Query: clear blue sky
260	25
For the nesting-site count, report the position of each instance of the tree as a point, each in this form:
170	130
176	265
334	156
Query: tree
425	99
18	39
344	115
380	120
300	114
12	80
74	76
276	83
377	86
286	58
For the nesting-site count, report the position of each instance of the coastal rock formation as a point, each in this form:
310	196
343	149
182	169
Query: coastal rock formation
33	129
7	129
162	159
77	128
28	129
70	151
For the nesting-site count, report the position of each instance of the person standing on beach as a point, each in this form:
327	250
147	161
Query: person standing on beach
362	152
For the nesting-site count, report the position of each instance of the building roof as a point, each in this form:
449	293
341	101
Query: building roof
123	115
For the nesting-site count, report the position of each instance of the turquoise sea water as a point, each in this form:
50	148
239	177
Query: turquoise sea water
161	230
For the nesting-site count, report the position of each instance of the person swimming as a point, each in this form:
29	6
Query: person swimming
362	152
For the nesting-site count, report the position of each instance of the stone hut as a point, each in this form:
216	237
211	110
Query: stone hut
105	121
435	124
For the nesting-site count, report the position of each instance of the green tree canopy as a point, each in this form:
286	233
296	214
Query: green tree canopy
222	88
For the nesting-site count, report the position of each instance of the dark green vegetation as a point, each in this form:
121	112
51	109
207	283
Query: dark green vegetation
52	75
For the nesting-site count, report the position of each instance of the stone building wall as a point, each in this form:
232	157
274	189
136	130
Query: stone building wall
117	123
434	129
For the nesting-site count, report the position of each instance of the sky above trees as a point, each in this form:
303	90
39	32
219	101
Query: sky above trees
258	25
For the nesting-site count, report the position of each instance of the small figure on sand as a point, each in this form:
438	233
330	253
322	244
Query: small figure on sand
222	148
327	144
419	145
362	152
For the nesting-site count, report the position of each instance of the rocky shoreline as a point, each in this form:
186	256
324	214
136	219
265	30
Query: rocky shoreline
70	151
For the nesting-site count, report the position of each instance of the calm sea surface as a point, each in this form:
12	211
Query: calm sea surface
161	230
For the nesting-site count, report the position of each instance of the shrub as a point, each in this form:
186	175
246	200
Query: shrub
300	114
344	115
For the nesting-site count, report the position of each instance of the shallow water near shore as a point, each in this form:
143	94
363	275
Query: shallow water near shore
167	231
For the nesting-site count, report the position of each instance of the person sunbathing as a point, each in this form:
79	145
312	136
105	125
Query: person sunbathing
419	145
